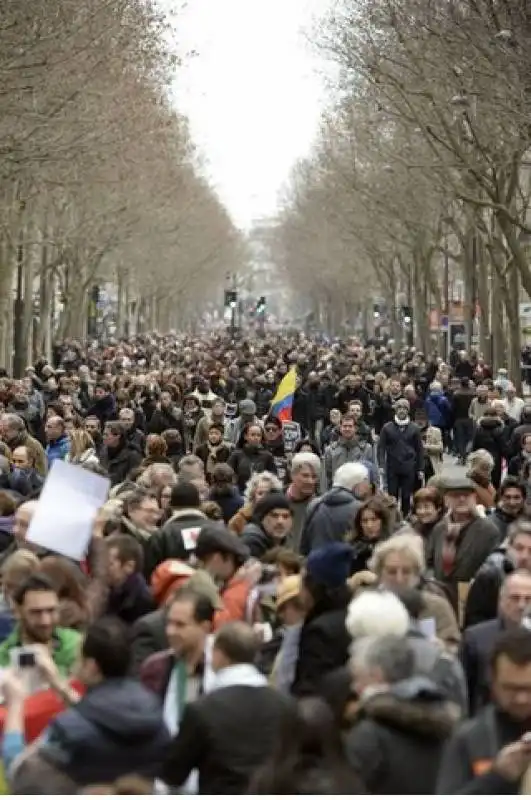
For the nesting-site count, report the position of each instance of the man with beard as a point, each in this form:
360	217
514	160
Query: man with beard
104	406
401	453
37	611
134	436
216	417
166	416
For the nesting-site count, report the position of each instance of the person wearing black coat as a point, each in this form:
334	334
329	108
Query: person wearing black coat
475	651
231	731
251	456
268	528
104	405
129	595
401	450
166	416
119	456
489	436
324	642
148	636
479	640
177	538
515	443
404	720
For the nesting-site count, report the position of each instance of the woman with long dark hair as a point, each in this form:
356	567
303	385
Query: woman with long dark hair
251	456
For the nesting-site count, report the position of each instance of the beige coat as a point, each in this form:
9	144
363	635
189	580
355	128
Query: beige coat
438	607
433	445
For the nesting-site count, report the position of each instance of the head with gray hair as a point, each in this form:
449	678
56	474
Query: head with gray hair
302	461
190	468
260	484
156	476
380	661
352	476
11	427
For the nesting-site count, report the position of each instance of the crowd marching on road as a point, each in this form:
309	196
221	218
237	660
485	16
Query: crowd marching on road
312	574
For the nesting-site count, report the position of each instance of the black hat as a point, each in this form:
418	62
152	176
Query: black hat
269	503
216	538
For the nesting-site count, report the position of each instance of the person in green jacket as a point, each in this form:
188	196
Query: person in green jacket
37	606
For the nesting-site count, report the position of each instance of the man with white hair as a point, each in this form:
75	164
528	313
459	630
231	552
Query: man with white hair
514	405
383	613
329	517
305	474
403	719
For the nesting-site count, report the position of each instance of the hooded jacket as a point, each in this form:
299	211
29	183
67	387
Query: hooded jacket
323	643
345	452
115	729
120	461
328	519
396	745
104	409
257	539
58	449
489	437
176	539
438	410
248	460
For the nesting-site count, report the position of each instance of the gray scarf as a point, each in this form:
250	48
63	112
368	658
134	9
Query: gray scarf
284	672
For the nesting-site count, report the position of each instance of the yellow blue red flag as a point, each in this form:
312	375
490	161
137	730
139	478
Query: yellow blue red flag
282	403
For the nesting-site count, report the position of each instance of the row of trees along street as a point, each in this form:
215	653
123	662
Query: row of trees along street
98	177
420	180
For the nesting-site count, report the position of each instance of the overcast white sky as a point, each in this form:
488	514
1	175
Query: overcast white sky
252	93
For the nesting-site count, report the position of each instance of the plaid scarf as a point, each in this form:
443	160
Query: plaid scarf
449	545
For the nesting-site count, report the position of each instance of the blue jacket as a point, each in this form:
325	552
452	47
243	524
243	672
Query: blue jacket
438	409
229	503
115	729
58	450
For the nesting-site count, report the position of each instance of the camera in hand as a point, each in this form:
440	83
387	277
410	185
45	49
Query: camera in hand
26	660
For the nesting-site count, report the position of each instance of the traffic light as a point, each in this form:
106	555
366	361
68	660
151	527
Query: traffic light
376	311
261	305
231	298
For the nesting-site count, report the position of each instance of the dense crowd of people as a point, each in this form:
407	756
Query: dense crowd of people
336	604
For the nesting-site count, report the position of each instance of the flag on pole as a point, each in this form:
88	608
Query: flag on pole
282	403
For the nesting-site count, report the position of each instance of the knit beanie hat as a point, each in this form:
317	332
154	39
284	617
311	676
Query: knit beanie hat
269	503
330	565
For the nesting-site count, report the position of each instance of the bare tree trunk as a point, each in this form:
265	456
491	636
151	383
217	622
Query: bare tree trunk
6	301
27	313
121	308
484	309
498	356
513	323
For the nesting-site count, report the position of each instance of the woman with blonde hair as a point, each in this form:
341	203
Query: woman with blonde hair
15	570
397	564
82	450
480	464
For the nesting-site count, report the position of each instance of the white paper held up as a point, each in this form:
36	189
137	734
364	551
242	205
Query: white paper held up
427	627
67	509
